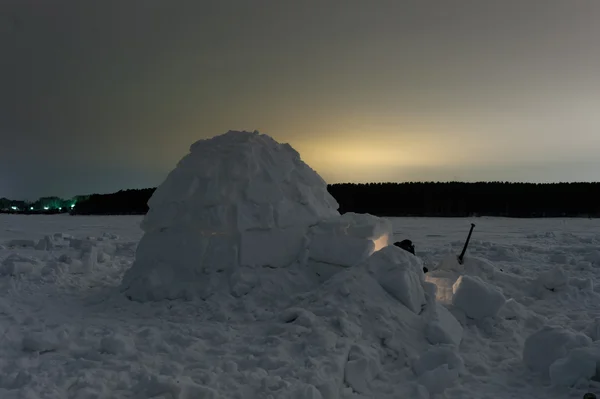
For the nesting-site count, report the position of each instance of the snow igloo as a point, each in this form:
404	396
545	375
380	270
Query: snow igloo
243	200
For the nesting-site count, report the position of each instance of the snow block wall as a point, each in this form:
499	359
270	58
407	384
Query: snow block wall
238	199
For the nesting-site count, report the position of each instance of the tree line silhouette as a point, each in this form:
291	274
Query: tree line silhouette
456	199
453	199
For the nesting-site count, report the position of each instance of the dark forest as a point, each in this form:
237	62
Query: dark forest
453	199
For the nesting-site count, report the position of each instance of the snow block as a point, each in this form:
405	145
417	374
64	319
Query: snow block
16	264
476	298
438	368
45	244
275	248
376	229
545	346
400	274
340	250
443	328
21	243
439	379
513	310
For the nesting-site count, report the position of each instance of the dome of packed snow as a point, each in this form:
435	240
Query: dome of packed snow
243	200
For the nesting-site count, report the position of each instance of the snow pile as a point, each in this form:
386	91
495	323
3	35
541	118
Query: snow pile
359	328
238	202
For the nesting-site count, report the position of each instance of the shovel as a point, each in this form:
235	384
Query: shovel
462	254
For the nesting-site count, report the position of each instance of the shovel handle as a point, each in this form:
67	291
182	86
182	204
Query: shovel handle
462	254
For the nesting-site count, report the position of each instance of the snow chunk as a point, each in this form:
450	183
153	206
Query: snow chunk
439	379
584	284
400	274
340	250
548	344
551	280
580	364
21	243
443	328
110	236
45	244
349	239
513	310
438	368
89	260
39	342
236	200
438	356
476	298
16	264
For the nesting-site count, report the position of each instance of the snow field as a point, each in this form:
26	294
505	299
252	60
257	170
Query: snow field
69	334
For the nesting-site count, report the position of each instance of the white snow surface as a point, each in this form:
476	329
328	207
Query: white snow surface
69	332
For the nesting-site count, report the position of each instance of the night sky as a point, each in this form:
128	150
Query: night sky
96	96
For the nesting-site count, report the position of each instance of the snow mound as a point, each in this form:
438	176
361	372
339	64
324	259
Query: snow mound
477	298
236	200
550	343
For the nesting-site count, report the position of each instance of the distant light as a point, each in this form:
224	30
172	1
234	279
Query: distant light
60	208
73	206
46	208
14	208
31	209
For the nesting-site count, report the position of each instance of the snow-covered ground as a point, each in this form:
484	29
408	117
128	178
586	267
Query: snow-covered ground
68	332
